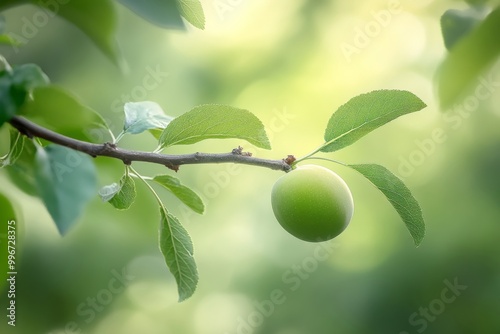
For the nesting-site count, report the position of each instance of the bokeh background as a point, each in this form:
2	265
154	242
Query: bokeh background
292	63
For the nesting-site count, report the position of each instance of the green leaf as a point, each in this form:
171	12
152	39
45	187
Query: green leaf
468	59
15	148
142	116
398	195
177	248
215	121
455	24
185	194
126	196
15	85
9	236
11	98
66	181
108	192
163	13
122	195
364	113
29	76
56	109
192	11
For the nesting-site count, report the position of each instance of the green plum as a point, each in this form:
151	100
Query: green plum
312	203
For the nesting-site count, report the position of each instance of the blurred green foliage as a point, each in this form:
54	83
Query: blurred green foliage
283	61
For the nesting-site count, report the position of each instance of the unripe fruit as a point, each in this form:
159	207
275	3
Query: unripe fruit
312	203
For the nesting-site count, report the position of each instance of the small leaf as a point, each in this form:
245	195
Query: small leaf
142	116
364	113
108	192
185	194
215	121
163	13
66	182
56	109
177	248
398	195
468	59
122	195
455	24
15	148
192	11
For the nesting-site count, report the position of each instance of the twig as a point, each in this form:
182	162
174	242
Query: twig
31	130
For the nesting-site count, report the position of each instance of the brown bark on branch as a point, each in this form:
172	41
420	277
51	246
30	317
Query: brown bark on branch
31	130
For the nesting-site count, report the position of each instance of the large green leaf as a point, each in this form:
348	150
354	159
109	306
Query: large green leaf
468	59
145	115
455	24
364	113
215	121
398	195
163	13
177	248
185	194
15	84
56	109
66	182
122	195
192	11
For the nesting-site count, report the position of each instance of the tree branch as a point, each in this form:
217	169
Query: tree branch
31	130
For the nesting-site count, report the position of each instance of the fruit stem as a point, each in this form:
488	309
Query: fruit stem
308	156
320	158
